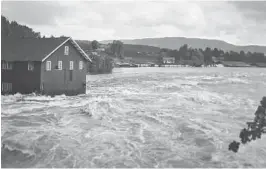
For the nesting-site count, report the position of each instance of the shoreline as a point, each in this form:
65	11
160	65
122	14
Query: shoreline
183	66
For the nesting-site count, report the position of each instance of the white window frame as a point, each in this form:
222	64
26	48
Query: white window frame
4	65
30	66
66	52
80	65
71	65
60	66
48	65
6	87
9	66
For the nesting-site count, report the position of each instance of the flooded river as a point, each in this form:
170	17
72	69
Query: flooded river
141	117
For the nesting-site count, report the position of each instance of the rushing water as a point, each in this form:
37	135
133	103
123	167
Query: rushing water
141	117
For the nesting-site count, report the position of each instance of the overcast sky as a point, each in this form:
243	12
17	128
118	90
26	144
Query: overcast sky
239	23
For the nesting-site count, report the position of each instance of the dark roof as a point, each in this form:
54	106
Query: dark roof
34	49
28	49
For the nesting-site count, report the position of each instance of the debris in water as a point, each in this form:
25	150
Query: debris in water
86	112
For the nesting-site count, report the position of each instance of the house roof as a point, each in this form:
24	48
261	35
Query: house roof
33	49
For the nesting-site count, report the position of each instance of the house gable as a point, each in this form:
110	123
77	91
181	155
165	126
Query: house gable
64	80
74	44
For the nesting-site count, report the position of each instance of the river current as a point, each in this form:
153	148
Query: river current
141	117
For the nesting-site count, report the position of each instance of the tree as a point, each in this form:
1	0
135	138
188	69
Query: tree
95	45
208	55
183	50
5	28
117	49
215	52
159	60
226	56
242	56
101	63
13	29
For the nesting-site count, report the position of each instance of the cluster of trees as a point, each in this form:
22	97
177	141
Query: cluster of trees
116	49
102	62
13	29
186	53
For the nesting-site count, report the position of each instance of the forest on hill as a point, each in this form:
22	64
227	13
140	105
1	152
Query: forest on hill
13	29
176	42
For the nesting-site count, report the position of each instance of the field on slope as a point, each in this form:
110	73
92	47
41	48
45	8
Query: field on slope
145	117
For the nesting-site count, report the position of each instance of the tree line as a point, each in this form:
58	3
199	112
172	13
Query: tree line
103	61
206	55
13	29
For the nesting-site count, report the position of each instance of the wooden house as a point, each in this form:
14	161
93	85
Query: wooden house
45	65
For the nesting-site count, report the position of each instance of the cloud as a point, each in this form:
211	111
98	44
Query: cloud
255	10
33	12
235	22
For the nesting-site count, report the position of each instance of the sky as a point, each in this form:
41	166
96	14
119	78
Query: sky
240	23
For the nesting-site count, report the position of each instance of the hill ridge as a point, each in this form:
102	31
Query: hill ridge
177	42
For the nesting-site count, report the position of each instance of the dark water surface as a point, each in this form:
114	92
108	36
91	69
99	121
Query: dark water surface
142	117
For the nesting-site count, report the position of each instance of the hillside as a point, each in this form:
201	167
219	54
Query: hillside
139	53
177	42
14	29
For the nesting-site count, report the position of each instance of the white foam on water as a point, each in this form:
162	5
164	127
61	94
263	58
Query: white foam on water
157	117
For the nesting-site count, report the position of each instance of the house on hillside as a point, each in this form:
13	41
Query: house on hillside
47	65
168	60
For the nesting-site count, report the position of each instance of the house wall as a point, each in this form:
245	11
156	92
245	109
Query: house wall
168	60
58	81
23	81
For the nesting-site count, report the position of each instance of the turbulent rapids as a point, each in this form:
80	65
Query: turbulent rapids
144	117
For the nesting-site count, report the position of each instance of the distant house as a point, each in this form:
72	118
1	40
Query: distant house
216	60
46	65
168	60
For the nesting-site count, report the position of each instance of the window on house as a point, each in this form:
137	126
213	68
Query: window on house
80	64
7	65
66	50
3	65
60	65
30	66
6	87
71	65
48	65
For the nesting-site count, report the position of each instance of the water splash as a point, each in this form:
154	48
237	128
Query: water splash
176	117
